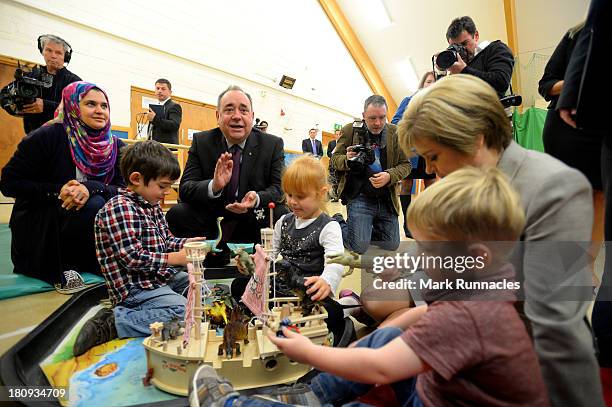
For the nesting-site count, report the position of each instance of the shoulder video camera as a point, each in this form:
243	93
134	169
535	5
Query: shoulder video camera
365	153
448	57
25	89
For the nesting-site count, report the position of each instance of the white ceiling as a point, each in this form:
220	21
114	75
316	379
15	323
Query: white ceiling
418	30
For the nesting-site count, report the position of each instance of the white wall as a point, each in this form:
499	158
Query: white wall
202	47
540	26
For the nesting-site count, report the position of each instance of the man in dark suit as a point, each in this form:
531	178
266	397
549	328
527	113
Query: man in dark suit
333	177
233	171
312	145
581	105
164	128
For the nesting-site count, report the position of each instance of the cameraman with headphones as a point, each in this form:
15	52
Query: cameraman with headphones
492	62
369	164
56	53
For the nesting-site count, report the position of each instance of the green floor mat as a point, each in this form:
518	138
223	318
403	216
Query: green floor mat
15	285
6	266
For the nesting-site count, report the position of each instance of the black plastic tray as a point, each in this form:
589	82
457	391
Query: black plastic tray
19	366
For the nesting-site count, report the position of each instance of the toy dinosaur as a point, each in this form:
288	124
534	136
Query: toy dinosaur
348	258
217	312
235	330
291	279
211	245
244	262
172	329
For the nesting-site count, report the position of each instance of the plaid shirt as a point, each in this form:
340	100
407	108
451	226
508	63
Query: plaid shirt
132	242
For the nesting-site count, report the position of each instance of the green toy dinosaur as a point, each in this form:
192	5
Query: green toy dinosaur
348	258
211	245
244	262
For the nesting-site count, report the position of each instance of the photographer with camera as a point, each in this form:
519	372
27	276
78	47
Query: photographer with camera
56	53
490	61
369	163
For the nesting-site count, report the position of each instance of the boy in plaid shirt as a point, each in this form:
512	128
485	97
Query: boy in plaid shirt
136	251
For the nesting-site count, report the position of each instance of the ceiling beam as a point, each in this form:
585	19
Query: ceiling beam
360	56
511	31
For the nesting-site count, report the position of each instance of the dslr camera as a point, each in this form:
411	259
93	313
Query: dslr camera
365	153
25	89
448	57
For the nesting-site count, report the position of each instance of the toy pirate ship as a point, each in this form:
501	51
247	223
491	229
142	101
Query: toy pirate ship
243	353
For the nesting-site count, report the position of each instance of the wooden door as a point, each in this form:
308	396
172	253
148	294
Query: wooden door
326	138
11	127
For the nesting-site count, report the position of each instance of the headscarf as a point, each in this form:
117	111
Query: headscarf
94	152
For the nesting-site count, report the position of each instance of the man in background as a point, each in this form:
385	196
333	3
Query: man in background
312	145
56	53
163	127
333	177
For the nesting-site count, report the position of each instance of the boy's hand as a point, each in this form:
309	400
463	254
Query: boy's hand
317	286
195	239
178	258
294	345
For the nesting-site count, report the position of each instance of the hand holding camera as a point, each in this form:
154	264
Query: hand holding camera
350	153
452	59
34	107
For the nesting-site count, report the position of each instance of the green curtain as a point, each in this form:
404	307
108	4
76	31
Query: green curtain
528	126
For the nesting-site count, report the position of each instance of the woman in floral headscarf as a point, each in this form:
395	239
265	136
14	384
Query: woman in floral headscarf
60	176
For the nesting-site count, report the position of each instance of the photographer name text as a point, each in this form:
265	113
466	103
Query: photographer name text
447	284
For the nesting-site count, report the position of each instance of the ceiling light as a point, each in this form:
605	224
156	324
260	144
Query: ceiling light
408	74
376	13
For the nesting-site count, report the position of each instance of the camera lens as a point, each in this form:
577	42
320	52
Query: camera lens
446	58
28	91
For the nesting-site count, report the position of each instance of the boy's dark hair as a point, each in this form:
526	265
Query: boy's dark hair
151	160
460	24
165	81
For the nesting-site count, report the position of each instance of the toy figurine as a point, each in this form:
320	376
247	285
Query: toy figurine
244	262
348	258
235	330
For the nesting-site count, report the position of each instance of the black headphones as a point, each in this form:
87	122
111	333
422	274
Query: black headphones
55	38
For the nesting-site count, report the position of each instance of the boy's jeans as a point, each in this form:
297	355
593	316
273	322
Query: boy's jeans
143	307
331	389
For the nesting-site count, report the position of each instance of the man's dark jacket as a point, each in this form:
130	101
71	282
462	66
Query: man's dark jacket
263	161
493	65
165	128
